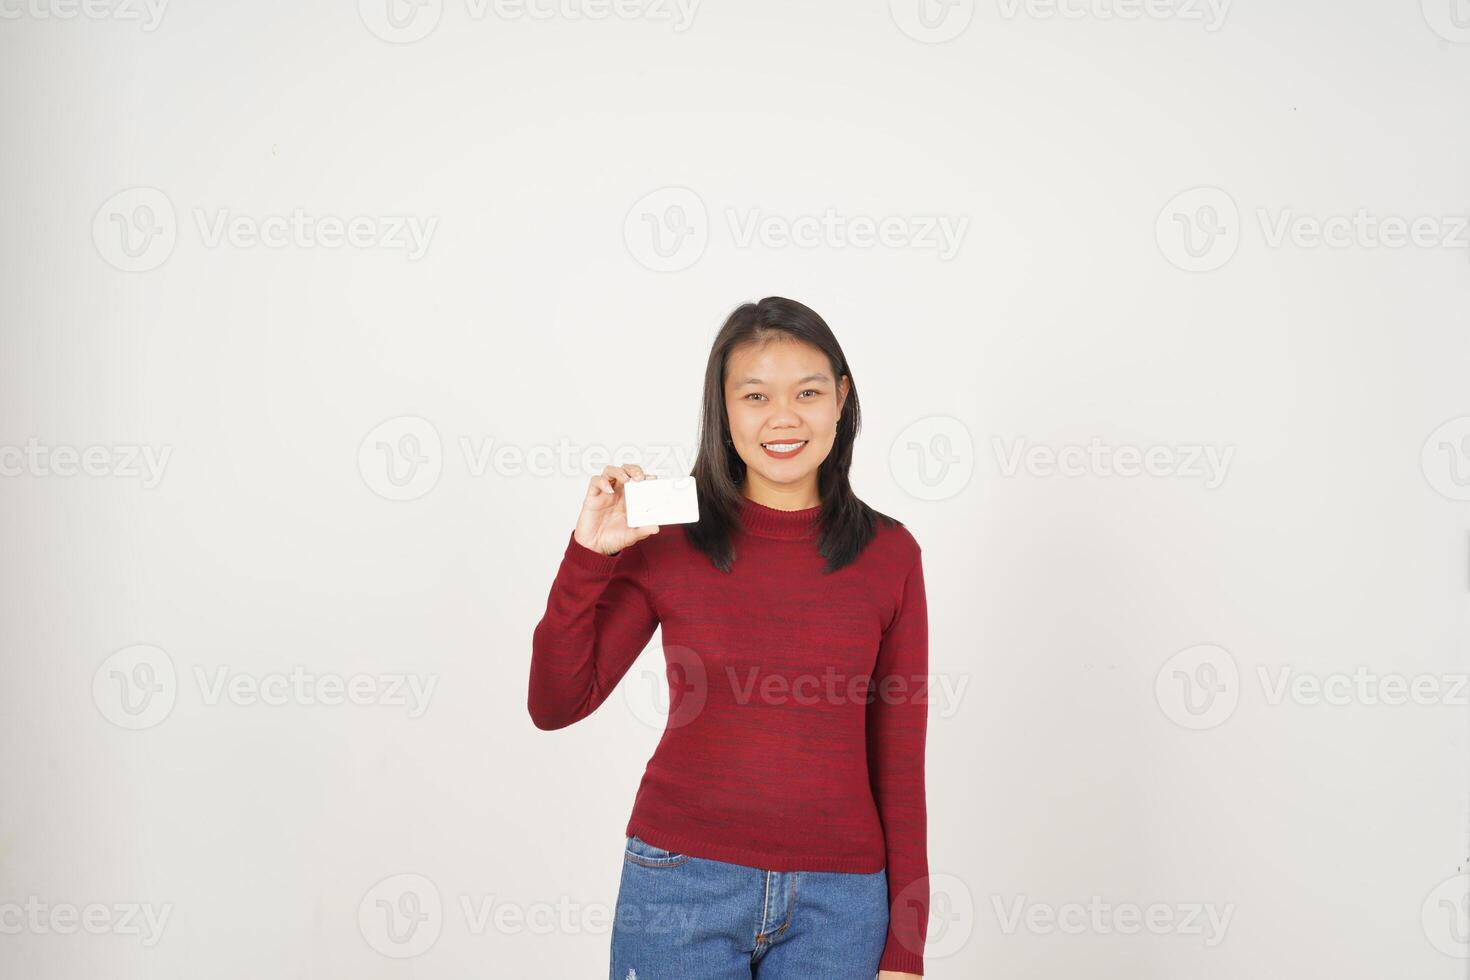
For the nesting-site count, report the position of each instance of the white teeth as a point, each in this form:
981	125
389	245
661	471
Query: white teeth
784	447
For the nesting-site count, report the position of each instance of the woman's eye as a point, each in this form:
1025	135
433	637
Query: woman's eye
756	394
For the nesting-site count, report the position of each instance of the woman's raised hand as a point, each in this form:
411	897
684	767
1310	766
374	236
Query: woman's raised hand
603	523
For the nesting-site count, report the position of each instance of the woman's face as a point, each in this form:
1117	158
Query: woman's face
778	393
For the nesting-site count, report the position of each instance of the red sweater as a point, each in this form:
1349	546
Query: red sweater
771	756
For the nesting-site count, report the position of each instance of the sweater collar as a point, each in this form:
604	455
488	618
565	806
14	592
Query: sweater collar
769	522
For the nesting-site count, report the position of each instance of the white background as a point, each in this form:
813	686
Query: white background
543	312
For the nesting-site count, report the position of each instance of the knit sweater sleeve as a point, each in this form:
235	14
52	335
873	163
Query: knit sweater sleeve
599	617
897	720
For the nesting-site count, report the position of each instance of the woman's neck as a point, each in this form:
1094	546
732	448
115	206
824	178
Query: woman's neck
783	498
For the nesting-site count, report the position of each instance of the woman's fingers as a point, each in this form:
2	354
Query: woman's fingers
612	476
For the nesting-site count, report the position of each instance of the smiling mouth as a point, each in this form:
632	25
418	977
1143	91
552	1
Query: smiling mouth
787	448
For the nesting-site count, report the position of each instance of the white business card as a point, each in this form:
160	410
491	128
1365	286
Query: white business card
672	501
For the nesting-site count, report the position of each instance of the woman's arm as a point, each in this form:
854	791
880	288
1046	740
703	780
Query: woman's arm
897	723
599	617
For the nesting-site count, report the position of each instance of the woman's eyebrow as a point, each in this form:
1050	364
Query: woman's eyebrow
801	381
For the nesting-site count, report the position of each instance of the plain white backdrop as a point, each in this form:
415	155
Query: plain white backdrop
317	317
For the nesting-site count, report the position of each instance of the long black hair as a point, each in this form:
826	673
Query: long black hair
846	524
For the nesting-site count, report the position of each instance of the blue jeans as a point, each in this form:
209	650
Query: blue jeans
681	917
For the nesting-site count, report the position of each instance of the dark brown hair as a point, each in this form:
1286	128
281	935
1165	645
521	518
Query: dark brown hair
846	523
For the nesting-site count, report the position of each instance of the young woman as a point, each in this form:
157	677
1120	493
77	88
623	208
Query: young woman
779	831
